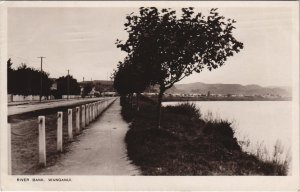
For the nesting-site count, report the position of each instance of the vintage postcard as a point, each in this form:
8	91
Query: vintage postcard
150	95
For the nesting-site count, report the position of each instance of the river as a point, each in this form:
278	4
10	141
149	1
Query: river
263	123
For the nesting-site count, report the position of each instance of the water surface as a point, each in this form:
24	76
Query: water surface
263	123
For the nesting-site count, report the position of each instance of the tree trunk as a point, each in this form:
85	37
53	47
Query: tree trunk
137	102
160	95
131	100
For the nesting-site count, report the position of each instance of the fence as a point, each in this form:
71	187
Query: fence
71	96
15	98
19	98
77	120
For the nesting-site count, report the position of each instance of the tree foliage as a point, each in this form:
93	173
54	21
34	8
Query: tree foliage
87	88
169	48
62	86
129	78
27	80
10	77
172	48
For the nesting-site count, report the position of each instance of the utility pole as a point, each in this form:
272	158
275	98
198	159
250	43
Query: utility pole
41	79
68	84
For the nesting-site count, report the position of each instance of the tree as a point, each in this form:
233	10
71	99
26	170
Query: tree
10	76
87	88
26	81
171	48
129	78
62	86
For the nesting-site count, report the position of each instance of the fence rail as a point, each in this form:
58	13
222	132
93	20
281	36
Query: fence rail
83	116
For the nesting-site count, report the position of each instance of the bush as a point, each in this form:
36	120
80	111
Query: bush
187	109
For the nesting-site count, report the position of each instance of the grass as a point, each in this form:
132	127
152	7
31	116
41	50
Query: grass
188	145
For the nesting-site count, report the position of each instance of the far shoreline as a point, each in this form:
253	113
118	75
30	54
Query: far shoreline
176	99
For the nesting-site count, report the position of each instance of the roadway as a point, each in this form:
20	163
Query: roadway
35	106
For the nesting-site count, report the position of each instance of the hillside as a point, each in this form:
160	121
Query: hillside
237	89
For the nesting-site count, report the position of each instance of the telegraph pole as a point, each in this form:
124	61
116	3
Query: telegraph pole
68	84
41	79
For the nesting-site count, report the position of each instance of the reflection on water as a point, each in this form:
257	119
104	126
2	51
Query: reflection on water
267	125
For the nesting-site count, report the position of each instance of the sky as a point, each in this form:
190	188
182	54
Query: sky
82	40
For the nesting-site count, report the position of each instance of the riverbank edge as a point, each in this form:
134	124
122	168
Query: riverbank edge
187	145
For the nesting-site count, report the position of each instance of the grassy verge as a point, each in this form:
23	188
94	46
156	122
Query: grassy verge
188	145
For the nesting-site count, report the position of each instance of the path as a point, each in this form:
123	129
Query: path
101	149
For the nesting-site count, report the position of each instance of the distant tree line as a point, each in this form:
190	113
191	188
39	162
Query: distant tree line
26	80
163	48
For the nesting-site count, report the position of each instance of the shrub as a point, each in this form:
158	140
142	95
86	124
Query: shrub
187	109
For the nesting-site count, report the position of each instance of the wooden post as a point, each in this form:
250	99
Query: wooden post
87	114
94	111
90	112
70	124
60	131
9	149
77	119
83	116
42	140
101	106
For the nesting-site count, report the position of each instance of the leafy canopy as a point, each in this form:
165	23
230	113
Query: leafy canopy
129	78
169	48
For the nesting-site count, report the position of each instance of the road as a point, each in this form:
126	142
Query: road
19	109
100	150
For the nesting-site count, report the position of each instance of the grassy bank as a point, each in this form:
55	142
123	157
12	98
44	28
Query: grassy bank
188	145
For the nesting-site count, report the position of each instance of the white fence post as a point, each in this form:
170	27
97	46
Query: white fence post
83	116
59	131
42	140
101	106
93	111
90	118
96	111
9	148
87	114
70	124
77	119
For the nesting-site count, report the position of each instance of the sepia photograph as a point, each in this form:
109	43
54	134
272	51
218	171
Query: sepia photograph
138	89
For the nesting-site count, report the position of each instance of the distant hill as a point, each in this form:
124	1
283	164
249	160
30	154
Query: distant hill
237	89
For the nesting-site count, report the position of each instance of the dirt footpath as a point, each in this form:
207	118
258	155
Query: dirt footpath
100	150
